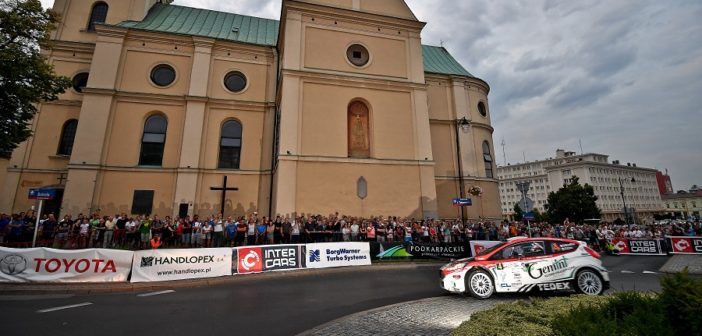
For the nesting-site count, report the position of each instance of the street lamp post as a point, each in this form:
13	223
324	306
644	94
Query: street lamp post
463	124
621	191
523	187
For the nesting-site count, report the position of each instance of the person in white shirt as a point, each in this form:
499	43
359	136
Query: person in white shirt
354	231
196	232
251	232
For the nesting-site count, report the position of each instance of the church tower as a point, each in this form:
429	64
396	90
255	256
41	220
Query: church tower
353	118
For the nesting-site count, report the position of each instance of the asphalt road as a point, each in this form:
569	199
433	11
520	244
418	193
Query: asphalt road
282	305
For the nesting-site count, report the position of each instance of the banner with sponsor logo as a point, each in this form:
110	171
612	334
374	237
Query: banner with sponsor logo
337	254
685	245
256	259
437	250
639	246
53	265
477	246
178	264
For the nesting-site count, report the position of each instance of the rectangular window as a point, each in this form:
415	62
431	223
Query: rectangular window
142	202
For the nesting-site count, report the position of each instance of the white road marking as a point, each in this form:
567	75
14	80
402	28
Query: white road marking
48	310
627	272
649	272
156	293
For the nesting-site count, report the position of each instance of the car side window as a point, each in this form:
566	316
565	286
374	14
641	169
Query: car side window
562	247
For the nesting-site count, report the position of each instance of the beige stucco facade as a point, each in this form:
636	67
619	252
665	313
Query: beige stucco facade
294	112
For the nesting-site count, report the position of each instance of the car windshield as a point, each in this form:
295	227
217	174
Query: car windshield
490	249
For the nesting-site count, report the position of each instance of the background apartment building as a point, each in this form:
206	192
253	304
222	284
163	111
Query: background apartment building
638	184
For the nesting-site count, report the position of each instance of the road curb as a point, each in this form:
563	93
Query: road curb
126	287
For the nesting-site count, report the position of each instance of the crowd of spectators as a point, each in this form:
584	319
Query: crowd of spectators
141	232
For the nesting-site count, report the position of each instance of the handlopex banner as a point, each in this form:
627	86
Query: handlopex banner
321	255
256	259
477	246
639	246
54	265
685	245
178	264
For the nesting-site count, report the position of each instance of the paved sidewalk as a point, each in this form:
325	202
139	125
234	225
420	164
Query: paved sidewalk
432	316
678	262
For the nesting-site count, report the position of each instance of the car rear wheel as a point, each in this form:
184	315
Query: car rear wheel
479	284
589	282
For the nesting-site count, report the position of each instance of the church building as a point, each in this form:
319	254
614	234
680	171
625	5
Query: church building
336	107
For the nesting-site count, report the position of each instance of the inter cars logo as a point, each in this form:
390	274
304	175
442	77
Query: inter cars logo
13	264
315	256
250	260
682	245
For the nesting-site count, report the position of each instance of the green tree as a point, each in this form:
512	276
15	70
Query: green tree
574	201
518	212
25	77
539	216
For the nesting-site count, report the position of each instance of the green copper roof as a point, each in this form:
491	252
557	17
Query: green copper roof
437	60
248	29
202	22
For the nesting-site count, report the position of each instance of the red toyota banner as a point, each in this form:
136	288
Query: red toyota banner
686	245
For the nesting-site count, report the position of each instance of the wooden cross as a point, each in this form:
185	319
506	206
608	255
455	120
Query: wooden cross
62	178
224	190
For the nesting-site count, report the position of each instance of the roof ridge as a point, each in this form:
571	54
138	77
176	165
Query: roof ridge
215	11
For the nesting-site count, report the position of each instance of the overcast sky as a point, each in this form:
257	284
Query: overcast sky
622	77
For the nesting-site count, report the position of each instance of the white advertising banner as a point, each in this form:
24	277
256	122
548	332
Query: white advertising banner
53	265
477	246
178	264
323	255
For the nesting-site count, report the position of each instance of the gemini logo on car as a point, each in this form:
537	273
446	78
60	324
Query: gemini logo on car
536	273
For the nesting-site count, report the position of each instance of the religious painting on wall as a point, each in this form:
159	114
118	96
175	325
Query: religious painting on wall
358	130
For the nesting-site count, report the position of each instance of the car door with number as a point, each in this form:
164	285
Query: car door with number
509	270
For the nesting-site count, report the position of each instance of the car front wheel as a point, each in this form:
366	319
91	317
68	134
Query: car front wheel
480	285
588	282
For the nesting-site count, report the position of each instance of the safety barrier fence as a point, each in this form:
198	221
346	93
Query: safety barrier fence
108	265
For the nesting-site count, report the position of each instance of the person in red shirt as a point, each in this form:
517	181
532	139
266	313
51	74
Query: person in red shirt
156	241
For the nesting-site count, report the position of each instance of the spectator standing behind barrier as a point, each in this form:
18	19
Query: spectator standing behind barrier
109	232
187	232
218	231
230	232
130	236
295	231
206	232
261	231
286	229
355	229
251	232
277	230
156	241
240	231
197	232
144	231
270	229
4	227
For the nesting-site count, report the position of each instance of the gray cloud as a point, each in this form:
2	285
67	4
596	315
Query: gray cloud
622	76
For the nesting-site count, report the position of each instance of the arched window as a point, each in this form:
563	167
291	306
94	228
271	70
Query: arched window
68	134
230	145
358	130
153	141
487	158
97	15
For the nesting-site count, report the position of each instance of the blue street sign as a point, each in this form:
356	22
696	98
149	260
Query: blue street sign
462	201
529	216
42	193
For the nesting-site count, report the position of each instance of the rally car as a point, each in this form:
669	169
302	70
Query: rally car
522	264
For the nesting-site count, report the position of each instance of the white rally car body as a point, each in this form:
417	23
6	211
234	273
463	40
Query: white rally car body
526	264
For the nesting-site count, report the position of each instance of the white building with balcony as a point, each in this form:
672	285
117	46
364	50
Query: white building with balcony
608	180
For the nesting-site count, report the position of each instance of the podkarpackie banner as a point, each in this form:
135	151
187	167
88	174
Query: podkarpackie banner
685	245
256	259
437	250
178	264
639	246
337	254
52	265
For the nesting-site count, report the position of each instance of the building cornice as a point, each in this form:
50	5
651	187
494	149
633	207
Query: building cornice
336	78
364	18
339	159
